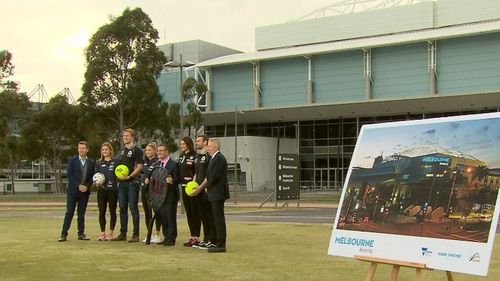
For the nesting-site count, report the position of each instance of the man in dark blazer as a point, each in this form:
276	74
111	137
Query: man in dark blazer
80	172
168	212
217	190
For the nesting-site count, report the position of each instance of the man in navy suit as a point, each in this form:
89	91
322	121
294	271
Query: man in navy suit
168	212
217	190
80	172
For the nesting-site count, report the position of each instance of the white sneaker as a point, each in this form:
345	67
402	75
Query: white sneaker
155	239
145	239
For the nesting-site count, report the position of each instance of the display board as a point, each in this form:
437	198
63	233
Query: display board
287	177
423	191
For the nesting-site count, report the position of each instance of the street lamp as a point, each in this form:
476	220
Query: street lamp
236	112
454	175
180	64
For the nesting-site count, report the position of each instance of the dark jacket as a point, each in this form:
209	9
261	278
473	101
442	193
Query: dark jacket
75	173
218	188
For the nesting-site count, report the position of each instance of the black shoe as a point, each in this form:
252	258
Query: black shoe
83	237
169	243
121	237
217	250
62	238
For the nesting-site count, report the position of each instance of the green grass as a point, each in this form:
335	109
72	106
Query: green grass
256	251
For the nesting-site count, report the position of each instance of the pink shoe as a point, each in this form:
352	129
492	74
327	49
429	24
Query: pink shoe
102	237
109	237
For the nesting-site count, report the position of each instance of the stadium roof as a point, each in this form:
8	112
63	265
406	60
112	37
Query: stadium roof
358	43
429	149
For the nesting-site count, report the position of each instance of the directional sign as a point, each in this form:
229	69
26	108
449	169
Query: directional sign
287	176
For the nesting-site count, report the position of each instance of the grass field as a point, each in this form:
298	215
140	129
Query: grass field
256	251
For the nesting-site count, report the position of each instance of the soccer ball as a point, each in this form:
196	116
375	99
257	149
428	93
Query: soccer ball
121	171
98	179
191	187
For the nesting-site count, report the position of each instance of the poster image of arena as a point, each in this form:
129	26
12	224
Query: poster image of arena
423	191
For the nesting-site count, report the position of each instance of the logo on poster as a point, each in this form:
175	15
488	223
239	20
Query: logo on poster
354	241
426	252
475	258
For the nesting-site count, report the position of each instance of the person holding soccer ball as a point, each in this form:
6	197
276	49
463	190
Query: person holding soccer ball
107	191
80	174
132	157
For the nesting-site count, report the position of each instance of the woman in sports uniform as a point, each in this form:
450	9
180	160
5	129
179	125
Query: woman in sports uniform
107	193
186	174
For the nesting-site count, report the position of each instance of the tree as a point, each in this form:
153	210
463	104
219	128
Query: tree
13	111
6	70
53	133
193	93
123	63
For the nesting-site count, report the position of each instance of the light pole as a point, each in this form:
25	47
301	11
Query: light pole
236	153
451	192
180	64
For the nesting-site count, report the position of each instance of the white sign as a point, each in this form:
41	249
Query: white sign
423	191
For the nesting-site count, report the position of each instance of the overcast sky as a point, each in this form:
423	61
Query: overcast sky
47	38
479	138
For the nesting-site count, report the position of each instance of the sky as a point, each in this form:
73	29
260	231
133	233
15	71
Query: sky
47	38
479	138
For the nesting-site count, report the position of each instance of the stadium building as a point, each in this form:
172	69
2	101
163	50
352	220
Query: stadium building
313	82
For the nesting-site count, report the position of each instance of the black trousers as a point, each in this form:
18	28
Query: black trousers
204	211
107	197
219	222
168	218
193	219
73	200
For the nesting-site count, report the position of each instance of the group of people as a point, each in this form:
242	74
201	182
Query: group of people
200	161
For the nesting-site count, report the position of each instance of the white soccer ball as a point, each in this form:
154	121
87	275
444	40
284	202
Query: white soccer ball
98	179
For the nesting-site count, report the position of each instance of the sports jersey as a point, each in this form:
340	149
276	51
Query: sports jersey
201	166
187	167
108	169
130	158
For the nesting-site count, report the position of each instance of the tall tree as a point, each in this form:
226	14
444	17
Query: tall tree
194	93
52	134
123	63
13	111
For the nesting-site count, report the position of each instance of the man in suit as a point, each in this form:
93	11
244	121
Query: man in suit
80	172
168	212
217	190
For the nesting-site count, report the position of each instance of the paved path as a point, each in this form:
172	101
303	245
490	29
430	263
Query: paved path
307	213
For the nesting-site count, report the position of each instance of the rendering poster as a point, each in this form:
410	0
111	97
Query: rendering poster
423	191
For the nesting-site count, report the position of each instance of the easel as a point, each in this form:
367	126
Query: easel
396	265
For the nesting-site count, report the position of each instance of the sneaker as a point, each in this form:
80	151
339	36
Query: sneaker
102	237
191	242
155	239
200	244
146	239
207	246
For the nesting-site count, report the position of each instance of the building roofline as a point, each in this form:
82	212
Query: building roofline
358	43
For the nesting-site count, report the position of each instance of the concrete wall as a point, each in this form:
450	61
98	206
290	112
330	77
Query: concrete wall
257	158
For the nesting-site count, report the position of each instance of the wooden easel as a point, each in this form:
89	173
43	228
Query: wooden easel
396	265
